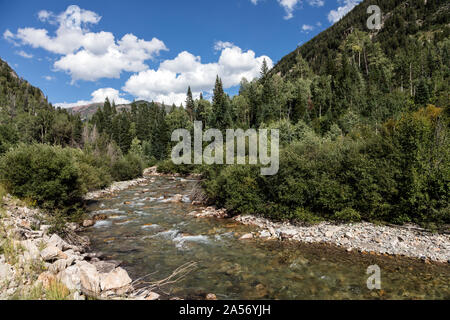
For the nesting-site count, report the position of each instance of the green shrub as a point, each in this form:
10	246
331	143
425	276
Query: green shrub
304	215
168	167
42	173
127	168
347	215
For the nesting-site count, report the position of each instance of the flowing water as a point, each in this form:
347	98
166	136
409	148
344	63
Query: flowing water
152	235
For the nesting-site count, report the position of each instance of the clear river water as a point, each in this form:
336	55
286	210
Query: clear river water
152	235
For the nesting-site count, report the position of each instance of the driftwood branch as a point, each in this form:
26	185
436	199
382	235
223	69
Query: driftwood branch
141	285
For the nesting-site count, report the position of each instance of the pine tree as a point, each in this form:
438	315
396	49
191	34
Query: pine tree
264	69
221	113
422	94
190	105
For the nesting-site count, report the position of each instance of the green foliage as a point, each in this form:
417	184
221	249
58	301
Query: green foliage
128	167
42	173
347	215
306	216
399	175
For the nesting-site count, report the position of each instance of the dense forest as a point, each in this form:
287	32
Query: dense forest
363	118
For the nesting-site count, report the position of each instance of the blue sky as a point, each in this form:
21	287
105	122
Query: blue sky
79	52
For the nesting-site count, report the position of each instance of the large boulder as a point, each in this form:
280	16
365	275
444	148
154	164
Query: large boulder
58	266
70	277
117	280
51	253
104	266
56	241
90	278
31	251
6	272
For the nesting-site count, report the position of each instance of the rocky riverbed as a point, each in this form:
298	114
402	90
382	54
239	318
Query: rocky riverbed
38	264
410	241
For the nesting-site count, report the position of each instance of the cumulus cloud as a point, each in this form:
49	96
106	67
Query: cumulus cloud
347	5
87	55
98	95
220	45
24	54
289	6
169	82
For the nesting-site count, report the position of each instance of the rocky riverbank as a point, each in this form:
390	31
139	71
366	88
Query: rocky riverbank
38	264
410	241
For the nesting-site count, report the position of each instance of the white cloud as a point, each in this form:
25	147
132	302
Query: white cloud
98	95
48	78
307	28
336	15
44	15
87	55
170	81
8	35
220	45
316	3
24	54
289	6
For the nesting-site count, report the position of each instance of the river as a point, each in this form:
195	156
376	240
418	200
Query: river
152	235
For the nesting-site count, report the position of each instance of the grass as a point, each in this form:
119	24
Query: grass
57	291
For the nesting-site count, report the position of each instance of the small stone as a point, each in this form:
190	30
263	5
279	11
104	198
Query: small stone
265	234
152	296
211	296
246	236
99	217
88	223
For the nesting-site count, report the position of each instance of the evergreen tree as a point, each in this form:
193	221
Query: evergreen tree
190	105
221	113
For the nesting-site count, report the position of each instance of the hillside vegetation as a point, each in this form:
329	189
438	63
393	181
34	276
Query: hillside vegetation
363	118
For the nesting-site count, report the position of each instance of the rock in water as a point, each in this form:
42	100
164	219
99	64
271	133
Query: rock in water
246	236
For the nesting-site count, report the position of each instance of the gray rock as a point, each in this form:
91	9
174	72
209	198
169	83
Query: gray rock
152	296
265	234
31	251
51	253
90	278
116	279
56	241
58	266
6	272
104	266
70	277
